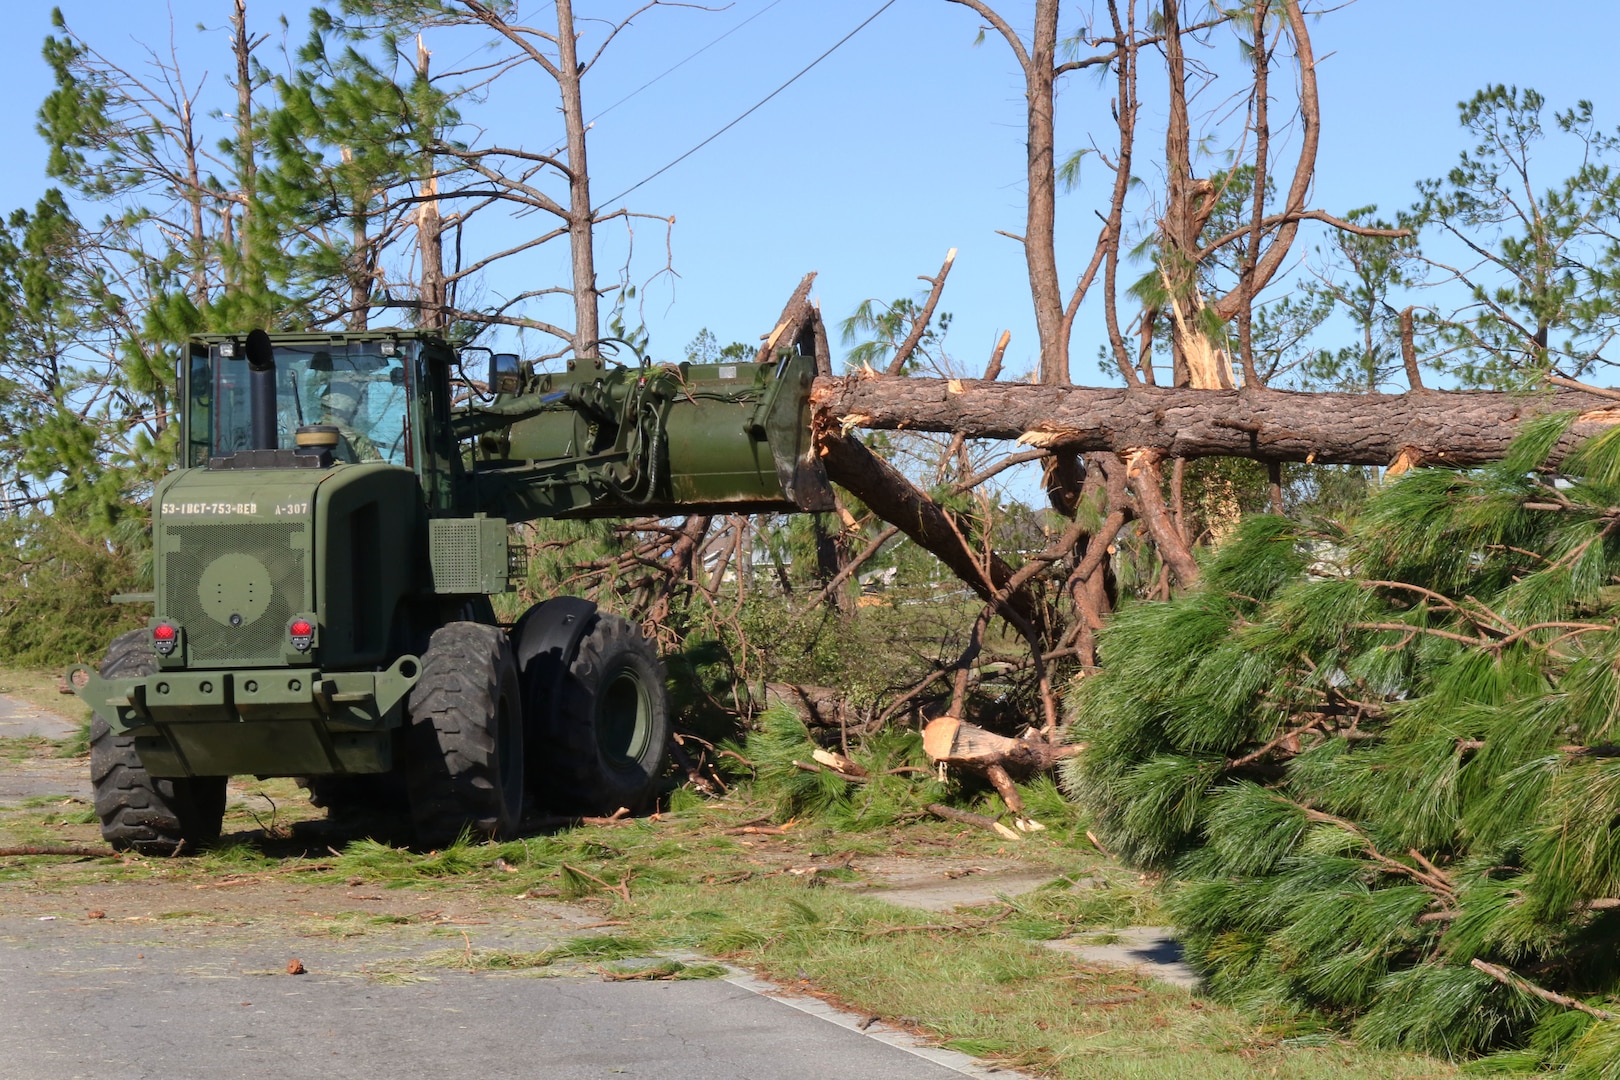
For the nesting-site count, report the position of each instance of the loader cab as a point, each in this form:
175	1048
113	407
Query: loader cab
387	395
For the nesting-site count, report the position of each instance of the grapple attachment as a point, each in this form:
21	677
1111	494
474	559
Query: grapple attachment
652	440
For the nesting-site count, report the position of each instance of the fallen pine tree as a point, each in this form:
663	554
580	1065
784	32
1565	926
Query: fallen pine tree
1435	427
1382	766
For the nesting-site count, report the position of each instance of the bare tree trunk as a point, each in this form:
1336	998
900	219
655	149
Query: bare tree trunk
1125	109
247	167
1304	167
581	217
919	323
198	239
895	499
358	268
1143	470
429	239
1040	245
246	164
1262	150
1053	323
1189	201
680	566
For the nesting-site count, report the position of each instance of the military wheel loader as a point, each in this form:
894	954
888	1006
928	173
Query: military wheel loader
324	557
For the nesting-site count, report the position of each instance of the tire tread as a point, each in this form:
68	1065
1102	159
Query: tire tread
453	763
578	779
140	812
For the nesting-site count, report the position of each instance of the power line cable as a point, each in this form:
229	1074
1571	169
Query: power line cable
754	108
592	121
683	63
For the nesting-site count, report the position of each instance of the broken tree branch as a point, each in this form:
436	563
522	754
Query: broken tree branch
919	324
1518	982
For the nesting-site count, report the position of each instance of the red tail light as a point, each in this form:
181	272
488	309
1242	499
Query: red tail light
302	634
165	636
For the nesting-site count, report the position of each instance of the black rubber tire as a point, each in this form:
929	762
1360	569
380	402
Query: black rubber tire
464	741
140	812
609	727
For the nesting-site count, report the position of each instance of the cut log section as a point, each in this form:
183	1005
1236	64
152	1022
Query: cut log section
998	758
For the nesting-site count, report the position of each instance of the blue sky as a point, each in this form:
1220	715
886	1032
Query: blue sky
905	142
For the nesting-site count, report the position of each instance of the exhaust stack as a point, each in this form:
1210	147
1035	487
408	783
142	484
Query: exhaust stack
261	358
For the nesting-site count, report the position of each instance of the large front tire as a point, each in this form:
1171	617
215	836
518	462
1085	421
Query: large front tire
609	724
140	812
464	770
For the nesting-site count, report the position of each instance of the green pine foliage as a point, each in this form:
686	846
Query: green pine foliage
1382	765
781	767
56	584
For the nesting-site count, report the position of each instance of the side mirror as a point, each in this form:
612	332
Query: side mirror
505	376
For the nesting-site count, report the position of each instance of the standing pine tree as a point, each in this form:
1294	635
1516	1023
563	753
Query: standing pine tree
1382	765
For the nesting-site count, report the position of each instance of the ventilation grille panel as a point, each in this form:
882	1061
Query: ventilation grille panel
456	548
191	548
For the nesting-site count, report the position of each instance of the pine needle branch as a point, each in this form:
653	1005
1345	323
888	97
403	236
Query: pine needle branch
1573	628
1431	878
1413	631
1292	734
1439	598
1480	641
1518	982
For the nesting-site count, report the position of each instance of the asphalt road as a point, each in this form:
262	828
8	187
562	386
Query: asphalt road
165	996
176	999
19	718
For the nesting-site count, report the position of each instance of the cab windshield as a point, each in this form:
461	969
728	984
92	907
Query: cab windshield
353	387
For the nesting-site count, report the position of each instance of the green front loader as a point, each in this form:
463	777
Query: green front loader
323	562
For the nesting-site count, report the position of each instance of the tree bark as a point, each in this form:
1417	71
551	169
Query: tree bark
429	241
581	217
1261	112
1040	233
249	273
1125	110
816	706
1434	427
997	758
677	568
920	321
1310	123
1197	361
1147	481
896	500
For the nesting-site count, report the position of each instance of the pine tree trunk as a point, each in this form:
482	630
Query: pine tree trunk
1423	427
581	217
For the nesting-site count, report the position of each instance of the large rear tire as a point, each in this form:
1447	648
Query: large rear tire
609	725
138	811
464	742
